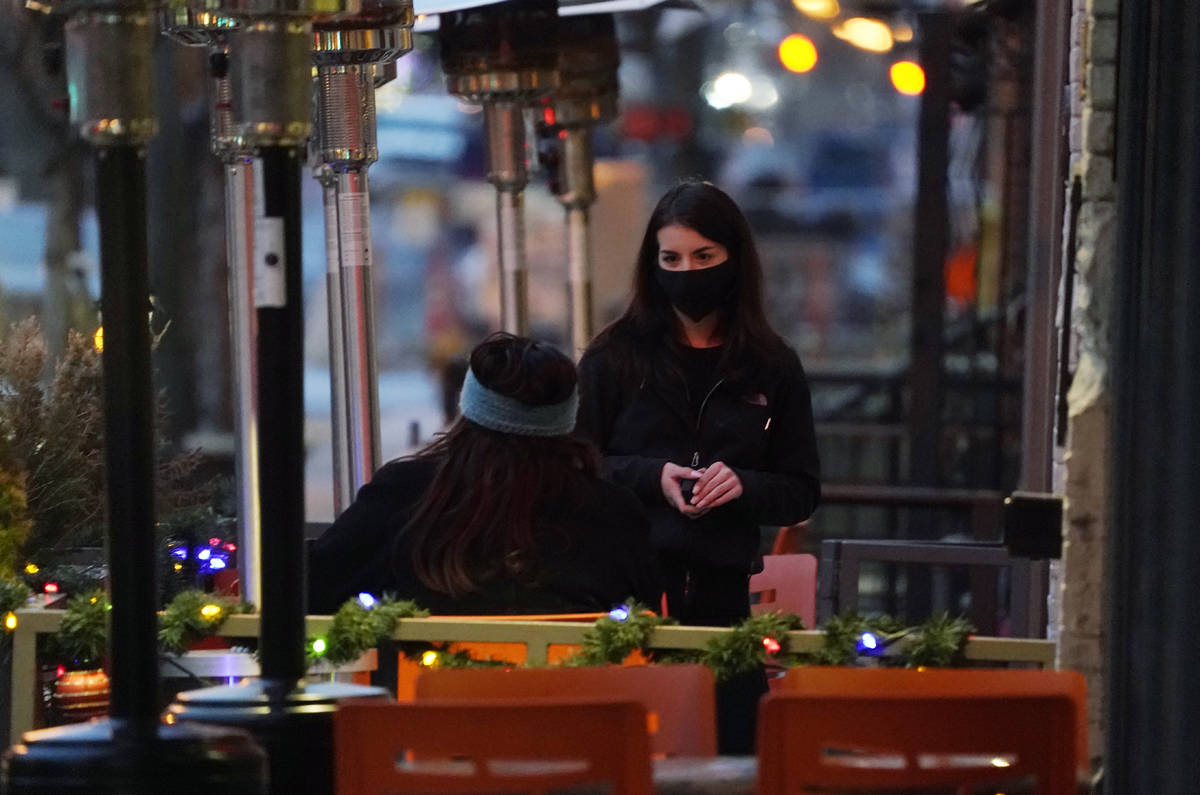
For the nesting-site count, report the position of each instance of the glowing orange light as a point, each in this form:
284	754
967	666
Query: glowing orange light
865	33
908	77
98	339
10	621
818	9
797	53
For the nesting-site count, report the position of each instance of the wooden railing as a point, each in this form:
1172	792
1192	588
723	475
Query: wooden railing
537	636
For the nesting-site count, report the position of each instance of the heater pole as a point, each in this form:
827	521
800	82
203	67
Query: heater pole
279	303
109	48
353	54
129	435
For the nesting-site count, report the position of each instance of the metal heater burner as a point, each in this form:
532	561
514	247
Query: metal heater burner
504	57
588	57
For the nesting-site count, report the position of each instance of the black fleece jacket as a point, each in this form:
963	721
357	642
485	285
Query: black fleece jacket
593	551
761	427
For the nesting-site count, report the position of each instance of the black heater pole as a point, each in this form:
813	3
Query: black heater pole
280	311
270	82
108	46
129	436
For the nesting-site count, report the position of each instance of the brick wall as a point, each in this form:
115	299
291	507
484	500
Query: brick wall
1082	619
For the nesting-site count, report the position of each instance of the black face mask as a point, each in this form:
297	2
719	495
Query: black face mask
700	292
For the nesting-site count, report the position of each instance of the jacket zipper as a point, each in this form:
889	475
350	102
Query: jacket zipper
700	417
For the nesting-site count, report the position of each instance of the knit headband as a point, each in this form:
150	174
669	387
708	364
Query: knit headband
501	413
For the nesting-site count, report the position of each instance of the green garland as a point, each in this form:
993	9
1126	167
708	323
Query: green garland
193	615
746	646
938	643
13	595
842	633
357	627
617	635
361	625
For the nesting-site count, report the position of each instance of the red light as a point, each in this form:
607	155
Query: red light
548	116
231	547
214	542
51	587
771	645
59	671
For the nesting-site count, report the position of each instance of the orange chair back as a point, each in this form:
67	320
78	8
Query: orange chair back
895	728
679	699
996	682
787	583
492	746
498	651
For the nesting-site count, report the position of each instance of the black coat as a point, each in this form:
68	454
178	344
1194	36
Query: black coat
598	556
762	429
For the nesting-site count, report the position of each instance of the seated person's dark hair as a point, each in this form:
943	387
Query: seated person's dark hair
485	520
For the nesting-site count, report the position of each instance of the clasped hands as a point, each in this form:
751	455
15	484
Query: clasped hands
715	485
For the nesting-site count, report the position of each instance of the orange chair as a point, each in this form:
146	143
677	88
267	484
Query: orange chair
492	746
893	728
995	682
787	583
679	700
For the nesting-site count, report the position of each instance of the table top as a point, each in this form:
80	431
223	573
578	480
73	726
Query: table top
726	775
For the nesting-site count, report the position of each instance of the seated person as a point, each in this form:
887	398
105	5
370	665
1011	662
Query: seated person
504	513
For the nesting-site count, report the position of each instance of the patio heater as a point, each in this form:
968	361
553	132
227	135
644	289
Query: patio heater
207	29
109	55
588	57
503	57
353	55
270	92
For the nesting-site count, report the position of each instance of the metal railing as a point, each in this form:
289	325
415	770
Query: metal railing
537	636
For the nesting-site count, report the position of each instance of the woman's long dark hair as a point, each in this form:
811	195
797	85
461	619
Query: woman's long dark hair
476	521
645	333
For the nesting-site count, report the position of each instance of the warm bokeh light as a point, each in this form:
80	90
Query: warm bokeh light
758	135
908	77
866	34
98	339
31	568
10	621
797	53
210	611
902	32
818	9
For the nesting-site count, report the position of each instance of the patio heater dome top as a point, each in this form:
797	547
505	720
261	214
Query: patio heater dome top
380	31
501	52
195	27
300	9
588	57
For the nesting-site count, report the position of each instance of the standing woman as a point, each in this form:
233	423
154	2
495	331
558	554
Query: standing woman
700	407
